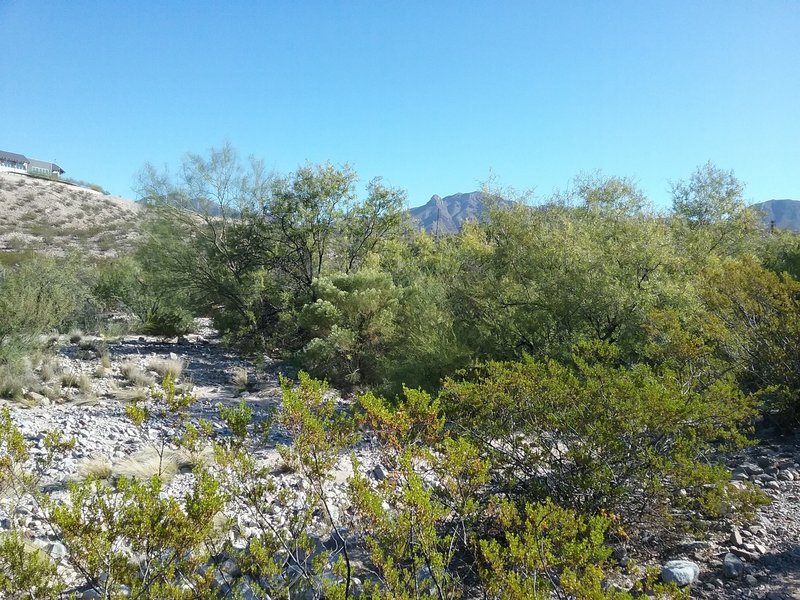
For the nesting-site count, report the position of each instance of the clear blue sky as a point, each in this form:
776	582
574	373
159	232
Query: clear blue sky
436	97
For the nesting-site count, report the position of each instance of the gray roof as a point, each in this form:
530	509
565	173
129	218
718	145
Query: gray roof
46	165
13	157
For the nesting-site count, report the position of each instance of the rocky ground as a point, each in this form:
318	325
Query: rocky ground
104	435
760	559
755	560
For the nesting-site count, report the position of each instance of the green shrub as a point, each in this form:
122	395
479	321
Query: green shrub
758	313
39	295
350	323
599	437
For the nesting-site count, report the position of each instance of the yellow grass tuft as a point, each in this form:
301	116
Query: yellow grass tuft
166	366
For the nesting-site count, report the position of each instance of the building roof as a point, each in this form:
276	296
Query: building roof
41	164
13	157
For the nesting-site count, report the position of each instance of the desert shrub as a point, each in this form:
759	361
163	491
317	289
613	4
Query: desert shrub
759	313
127	284
26	571
166	535
39	295
247	248
780	252
469	540
546	548
596	436
350	323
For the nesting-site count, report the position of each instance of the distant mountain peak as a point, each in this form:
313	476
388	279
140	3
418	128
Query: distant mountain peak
448	214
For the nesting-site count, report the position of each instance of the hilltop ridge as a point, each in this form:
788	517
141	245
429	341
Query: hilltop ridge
54	217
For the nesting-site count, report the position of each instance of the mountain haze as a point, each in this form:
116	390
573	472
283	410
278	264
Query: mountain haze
784	213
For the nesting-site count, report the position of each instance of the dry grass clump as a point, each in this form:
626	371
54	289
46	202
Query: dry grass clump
13	381
90	349
85	383
52	392
89	400
166	366
136	376
75	336
75	380
165	463
131	394
95	467
239	378
48	370
70	380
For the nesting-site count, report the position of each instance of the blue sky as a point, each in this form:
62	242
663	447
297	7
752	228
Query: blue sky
436	97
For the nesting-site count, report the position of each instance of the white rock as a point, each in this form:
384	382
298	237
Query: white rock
680	572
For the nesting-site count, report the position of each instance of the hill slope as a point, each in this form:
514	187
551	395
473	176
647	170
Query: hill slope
54	217
785	213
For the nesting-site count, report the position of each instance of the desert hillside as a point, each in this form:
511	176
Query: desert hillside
53	217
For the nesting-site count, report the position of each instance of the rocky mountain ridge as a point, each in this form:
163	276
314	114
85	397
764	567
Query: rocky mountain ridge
448	214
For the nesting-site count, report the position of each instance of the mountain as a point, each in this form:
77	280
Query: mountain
784	213
56	217
446	215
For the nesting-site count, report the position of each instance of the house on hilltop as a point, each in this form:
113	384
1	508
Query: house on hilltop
17	163
13	162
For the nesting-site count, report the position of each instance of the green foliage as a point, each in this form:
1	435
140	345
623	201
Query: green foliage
419	519
546	548
104	527
350	323
710	213
780	252
538	280
570	368
759	312
247	248
134	286
39	295
594	436
319	433
25	571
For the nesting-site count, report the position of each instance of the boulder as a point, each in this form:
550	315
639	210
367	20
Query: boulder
56	550
732	566
680	572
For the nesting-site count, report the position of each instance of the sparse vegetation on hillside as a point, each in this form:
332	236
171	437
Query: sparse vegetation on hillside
56	218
